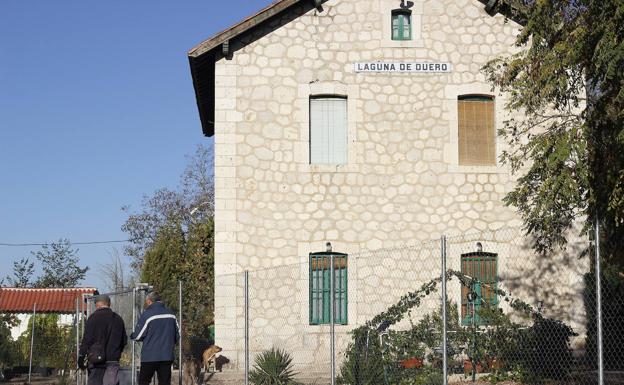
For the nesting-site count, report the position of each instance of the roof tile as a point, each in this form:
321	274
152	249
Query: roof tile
53	300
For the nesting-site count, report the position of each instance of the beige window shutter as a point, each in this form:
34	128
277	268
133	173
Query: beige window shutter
477	132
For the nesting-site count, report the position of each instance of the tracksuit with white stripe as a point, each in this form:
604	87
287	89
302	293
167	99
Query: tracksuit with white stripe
157	328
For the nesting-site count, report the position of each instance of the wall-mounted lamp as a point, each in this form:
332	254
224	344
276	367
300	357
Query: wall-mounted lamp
479	247
328	247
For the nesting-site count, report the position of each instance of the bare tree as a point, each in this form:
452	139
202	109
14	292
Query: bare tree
117	275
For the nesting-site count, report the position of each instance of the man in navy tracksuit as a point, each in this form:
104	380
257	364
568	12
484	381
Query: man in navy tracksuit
157	328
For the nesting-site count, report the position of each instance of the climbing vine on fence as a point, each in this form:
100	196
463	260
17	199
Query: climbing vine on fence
411	300
508	350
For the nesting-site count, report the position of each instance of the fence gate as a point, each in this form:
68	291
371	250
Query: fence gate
128	304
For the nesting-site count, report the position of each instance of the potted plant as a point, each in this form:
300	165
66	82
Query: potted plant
468	367
411	363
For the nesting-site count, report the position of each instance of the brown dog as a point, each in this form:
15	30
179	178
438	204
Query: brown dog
190	374
210	357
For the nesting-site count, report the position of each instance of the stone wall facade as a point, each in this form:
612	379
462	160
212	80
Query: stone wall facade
402	183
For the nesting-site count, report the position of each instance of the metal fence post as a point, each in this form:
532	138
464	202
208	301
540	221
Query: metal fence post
599	304
444	315
246	288
133	371
32	341
180	333
332	321
85	312
77	339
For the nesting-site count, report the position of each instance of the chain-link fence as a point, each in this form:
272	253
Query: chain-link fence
44	351
128	304
512	316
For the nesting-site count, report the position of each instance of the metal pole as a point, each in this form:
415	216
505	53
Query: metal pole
246	284
332	321
84	311
87	313
133	372
444	320
32	341
180	331
599	304
77	338
473	360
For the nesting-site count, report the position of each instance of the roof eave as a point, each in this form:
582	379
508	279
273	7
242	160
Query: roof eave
248	23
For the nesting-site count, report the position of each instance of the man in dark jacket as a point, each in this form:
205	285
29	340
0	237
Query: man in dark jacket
157	328
103	341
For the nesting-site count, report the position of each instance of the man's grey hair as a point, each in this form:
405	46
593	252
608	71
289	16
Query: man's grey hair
153	296
102	298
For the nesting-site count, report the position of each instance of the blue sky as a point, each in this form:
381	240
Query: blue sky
96	110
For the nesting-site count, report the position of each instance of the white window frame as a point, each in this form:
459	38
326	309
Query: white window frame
301	115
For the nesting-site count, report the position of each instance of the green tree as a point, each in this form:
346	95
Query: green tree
60	265
23	271
191	202
567	82
8	348
50	341
173	240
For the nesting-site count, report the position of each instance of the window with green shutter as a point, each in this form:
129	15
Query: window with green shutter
401	24
320	299
482	267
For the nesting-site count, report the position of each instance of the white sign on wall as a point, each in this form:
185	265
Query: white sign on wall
410	67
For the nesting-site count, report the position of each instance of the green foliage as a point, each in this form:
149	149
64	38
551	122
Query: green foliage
273	367
51	341
191	202
426	376
59	263
567	84
364	362
8	348
545	351
23	271
173	240
506	349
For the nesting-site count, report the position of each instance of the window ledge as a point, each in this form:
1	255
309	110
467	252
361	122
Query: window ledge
334	168
415	43
478	169
324	329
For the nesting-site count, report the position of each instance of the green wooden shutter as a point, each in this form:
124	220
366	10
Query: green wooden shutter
320	299
483	268
401	24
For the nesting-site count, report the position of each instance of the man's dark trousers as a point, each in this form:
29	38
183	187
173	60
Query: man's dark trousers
161	368
104	375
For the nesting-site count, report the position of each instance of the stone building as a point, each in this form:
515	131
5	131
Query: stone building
366	123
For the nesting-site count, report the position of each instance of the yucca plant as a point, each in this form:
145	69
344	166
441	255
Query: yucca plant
273	367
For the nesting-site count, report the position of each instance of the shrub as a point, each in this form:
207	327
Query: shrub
273	367
363	363
546	349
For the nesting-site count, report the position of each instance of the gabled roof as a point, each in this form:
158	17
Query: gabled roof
54	300
203	56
